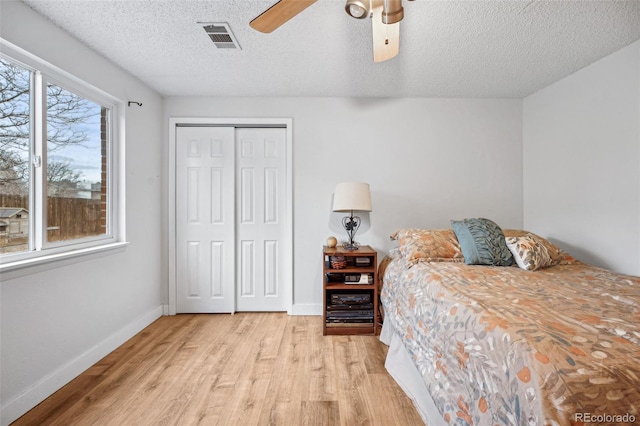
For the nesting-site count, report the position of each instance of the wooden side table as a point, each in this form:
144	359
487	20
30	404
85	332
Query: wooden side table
350	291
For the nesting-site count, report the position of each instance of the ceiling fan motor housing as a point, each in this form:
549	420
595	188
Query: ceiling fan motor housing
392	11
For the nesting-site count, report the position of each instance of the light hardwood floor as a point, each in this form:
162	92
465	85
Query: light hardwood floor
242	369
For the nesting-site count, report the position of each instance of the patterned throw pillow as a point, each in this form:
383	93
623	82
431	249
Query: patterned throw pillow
428	245
558	256
482	242
529	253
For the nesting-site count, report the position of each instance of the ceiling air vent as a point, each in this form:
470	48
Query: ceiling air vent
221	35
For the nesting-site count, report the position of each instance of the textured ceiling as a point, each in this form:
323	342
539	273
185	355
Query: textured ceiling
447	48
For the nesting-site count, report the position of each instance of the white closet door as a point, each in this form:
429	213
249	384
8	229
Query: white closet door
205	219
261	218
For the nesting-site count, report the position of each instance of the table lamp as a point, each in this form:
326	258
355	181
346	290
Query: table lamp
351	197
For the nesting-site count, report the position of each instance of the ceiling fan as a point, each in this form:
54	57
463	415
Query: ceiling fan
385	21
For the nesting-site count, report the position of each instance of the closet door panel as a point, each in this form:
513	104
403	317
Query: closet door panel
205	219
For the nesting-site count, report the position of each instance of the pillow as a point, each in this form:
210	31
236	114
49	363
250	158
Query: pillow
427	245
482	242
558	256
529	253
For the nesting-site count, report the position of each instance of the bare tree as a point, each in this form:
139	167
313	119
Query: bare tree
14	126
66	113
14	106
62	179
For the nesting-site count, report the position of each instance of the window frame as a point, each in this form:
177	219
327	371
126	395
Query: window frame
41	251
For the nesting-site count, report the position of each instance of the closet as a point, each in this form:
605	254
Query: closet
232	219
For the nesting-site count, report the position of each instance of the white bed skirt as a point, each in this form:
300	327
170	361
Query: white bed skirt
405	373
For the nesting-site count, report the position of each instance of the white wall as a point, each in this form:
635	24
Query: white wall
57	323
581	147
427	161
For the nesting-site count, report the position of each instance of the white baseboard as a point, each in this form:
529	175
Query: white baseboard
58	378
306	309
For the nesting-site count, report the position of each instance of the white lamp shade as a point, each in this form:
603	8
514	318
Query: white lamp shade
350	196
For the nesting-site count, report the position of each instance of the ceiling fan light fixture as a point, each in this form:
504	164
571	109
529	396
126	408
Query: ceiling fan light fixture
358	9
392	11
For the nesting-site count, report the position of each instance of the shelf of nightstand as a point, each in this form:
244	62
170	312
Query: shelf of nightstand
331	331
347	270
341	286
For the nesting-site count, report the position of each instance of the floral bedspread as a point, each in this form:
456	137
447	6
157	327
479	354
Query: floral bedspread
501	345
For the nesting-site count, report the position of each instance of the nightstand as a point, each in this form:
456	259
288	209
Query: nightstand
350	291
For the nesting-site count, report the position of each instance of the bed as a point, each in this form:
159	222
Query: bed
552	341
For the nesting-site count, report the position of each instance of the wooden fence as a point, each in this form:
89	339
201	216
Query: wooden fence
67	218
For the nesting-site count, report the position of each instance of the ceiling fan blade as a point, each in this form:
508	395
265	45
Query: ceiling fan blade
278	14
386	37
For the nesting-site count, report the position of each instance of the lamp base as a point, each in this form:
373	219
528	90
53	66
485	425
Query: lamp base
351	225
351	246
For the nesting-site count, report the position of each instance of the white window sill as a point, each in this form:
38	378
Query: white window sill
20	268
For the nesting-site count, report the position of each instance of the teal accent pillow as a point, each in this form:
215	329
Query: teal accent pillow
482	242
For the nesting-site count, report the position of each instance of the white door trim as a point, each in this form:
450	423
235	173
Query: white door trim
287	275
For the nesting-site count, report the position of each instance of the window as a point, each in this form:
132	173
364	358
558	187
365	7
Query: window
76	166
58	169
